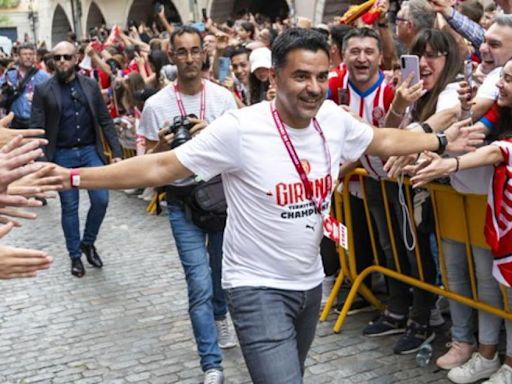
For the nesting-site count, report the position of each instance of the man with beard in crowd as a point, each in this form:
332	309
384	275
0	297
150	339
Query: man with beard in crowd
71	110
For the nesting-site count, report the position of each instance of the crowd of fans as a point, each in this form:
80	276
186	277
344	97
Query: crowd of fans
464	50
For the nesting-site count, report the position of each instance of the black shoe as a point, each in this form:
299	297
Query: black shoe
358	306
385	324
416	335
92	256
77	268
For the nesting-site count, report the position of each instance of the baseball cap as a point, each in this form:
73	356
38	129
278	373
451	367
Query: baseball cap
260	58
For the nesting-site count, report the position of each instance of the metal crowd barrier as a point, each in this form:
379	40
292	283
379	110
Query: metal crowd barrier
458	217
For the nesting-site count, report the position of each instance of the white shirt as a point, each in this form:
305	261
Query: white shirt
161	108
488	89
272	234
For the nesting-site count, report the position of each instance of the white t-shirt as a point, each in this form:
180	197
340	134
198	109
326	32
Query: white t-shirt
488	89
448	98
162	107
475	180
272	234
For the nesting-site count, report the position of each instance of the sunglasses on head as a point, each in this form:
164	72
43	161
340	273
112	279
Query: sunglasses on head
65	57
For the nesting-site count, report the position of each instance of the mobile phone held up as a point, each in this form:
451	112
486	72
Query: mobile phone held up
410	64
468	72
224	64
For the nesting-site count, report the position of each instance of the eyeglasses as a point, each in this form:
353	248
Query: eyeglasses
432	55
65	57
183	53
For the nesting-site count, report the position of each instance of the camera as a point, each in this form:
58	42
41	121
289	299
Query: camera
8	93
181	128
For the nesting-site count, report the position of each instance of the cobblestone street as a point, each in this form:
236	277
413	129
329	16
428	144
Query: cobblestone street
128	322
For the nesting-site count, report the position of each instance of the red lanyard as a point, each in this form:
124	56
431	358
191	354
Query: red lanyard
296	161
202	107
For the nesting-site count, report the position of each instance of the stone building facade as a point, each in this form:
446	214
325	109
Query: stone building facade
50	20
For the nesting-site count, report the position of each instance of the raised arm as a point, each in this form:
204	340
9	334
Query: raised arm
436	166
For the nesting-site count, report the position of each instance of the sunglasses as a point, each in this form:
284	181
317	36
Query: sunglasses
65	57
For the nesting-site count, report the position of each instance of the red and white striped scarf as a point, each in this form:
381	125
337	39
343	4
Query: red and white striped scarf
498	220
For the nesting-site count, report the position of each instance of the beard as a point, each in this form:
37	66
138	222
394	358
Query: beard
64	74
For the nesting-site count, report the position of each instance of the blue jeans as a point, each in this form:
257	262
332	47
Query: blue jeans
275	328
73	158
202	263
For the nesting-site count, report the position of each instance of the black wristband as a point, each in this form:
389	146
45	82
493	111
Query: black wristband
426	127
382	25
443	142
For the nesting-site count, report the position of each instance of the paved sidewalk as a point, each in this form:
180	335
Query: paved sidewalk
128	322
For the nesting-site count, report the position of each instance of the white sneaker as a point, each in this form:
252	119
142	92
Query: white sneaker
213	376
225	335
436	318
502	376
147	194
327	284
475	369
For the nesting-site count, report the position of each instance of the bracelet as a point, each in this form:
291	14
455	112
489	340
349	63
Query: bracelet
393	112
382	25
457	159
74	178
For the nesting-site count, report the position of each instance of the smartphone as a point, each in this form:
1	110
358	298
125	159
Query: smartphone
205	16
468	72
158	8
224	64
410	64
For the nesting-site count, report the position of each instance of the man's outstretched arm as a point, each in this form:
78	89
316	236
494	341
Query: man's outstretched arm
141	171
397	142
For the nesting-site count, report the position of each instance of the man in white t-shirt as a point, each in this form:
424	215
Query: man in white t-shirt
199	246
277	161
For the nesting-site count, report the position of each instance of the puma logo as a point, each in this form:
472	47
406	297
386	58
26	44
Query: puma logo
312	227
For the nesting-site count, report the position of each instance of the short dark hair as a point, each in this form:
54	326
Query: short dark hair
361	33
297	38
472	9
185	29
27	46
239	50
249	27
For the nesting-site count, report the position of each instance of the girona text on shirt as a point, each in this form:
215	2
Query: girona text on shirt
293	193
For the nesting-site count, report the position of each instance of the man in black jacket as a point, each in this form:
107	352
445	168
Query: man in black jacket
70	108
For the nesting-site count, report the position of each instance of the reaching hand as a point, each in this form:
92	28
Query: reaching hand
395	164
7	134
462	138
17	160
432	167
442	6
19	262
37	183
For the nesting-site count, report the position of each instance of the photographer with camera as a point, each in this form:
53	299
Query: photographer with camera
184	109
17	86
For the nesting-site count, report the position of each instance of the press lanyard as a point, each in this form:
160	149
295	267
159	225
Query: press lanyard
181	107
296	161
